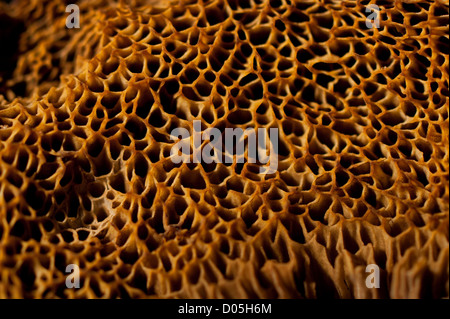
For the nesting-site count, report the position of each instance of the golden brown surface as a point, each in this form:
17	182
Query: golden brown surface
86	177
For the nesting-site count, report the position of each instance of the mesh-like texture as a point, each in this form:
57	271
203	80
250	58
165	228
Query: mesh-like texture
86	176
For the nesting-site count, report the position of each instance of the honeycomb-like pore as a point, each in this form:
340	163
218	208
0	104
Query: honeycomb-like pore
86	175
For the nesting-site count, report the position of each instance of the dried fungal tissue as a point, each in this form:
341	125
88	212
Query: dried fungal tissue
359	98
